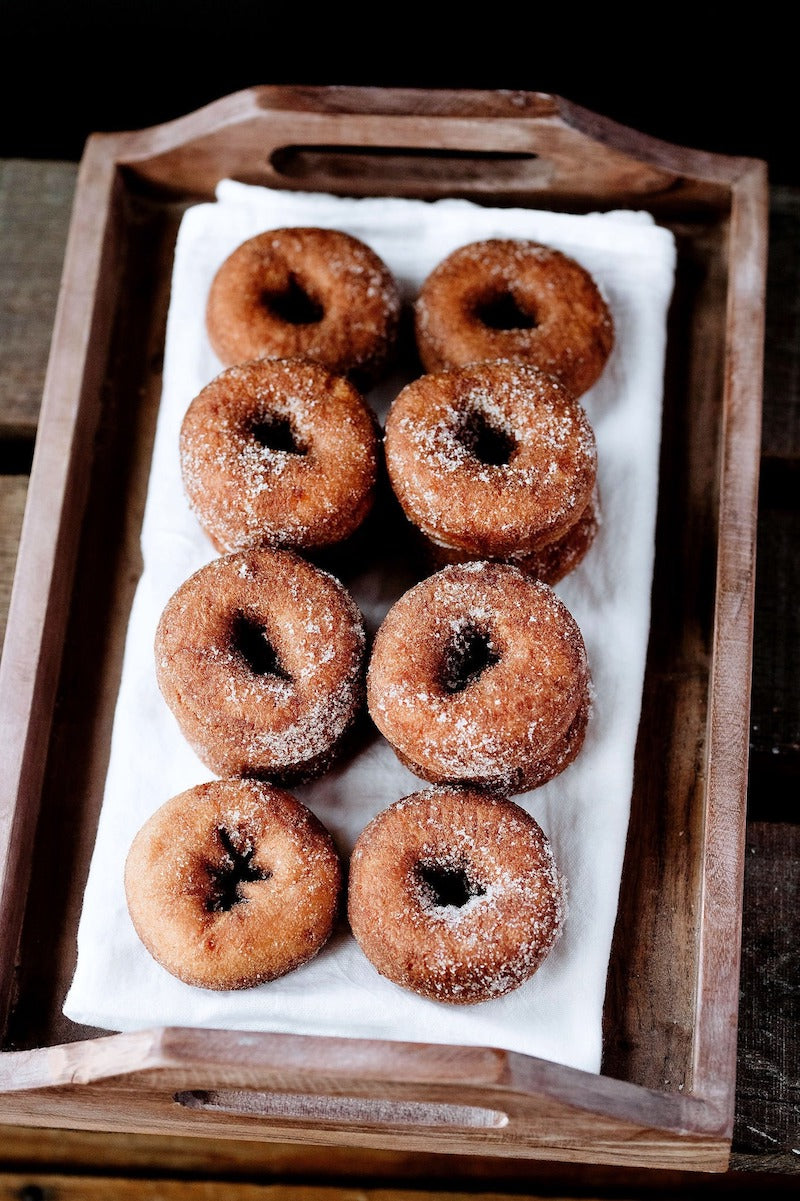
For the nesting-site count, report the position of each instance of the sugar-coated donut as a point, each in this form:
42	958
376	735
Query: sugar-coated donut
318	293
260	657
479	676
549	563
232	883
511	298
279	452
455	894
495	459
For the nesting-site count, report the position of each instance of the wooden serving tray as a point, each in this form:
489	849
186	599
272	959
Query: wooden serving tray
665	1096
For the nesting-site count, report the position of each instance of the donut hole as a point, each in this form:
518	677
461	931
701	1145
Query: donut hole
490	444
293	304
274	432
446	885
502	311
470	651
227	877
251	643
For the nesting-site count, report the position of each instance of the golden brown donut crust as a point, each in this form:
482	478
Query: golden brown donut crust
279	452
512	298
478	676
321	294
551	563
455	895
260	657
444	429
232	883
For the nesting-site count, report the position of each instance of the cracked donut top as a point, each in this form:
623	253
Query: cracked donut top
232	883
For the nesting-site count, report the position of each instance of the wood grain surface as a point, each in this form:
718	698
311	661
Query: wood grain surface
766	1132
675	1103
35	203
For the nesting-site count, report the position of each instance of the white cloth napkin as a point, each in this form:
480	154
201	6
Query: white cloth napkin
557	1014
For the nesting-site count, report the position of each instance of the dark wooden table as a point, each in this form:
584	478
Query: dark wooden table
35	200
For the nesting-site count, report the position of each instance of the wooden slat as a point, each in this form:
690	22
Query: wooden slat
37	1151
775	727
13	490
768	1114
781	438
35	202
52	1187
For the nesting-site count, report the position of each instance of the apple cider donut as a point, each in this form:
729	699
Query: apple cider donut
260	657
454	894
233	883
316	293
479	676
550	563
495	459
510	298
279	452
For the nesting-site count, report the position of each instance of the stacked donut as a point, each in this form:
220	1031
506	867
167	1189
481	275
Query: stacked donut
260	655
496	460
490	453
478	677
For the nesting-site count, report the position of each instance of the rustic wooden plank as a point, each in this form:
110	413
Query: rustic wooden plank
768	1108
781	436
62	1187
52	1187
13	490
37	1152
35	204
775	715
199	155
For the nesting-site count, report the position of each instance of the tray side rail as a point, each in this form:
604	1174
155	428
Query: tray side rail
50	534
359	1092
715	1044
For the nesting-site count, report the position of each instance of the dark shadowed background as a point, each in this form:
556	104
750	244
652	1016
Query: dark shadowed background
90	65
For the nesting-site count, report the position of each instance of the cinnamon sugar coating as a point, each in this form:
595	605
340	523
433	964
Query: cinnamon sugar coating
511	298
494	459
233	883
479	676
455	894
317	293
260	657
279	452
550	563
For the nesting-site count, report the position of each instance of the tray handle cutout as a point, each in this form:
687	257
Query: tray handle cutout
360	1111
415	165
